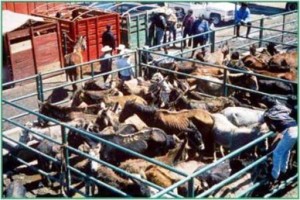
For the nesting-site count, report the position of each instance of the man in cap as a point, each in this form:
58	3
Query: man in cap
124	62
242	17
108	38
106	63
188	22
278	119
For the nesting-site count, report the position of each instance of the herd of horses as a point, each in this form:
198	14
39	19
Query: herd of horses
189	132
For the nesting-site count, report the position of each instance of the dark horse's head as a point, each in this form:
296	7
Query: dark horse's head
45	109
127	111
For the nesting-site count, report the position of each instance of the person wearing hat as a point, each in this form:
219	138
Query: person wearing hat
106	63
242	17
120	49
124	62
108	38
200	26
278	119
187	24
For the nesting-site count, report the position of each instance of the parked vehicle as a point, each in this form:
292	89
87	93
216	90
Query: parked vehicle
99	5
219	12
132	8
291	6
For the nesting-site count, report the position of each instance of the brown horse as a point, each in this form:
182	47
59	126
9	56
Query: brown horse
75	58
197	123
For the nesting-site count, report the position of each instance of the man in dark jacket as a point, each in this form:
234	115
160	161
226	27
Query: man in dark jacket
108	38
159	20
200	26
188	22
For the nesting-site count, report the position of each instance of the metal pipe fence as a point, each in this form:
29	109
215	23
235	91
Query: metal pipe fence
41	90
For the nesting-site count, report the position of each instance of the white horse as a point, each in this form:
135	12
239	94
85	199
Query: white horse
232	137
240	116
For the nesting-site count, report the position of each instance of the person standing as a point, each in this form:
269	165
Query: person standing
278	119
200	26
242	17
187	24
106	63
160	22
171	26
122	63
108	38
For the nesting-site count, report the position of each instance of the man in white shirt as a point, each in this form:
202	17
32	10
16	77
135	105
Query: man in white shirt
124	62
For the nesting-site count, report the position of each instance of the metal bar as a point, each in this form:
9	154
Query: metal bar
136	65
217	66
22	97
271	41
40	82
34	132
66	157
98	182
270	29
232	177
281	186
31	149
212	41
138	32
261	33
210	166
98	139
225	94
283	27
119	170
191	188
20	80
253	187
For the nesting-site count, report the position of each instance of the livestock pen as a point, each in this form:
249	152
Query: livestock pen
68	178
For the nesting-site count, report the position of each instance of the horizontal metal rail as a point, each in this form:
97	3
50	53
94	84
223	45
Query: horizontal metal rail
98	139
232	177
19	80
282	186
34	132
35	169
210	166
219	66
32	149
22	97
119	170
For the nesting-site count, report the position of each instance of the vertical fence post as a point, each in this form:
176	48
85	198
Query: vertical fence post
92	71
212	41
65	48
225	83
138	30
139	62
146	28
261	31
128	31
191	188
39	87
283	28
136	65
66	157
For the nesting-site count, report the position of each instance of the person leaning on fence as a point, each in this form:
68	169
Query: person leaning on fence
200	26
106	64
124	62
278	119
146	57
242	17
187	24
108	38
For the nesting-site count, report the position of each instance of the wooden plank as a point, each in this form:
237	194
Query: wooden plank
18	34
21	46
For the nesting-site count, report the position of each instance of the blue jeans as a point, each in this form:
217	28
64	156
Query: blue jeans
281	153
159	35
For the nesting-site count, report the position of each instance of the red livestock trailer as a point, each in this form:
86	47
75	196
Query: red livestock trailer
32	48
75	21
28	7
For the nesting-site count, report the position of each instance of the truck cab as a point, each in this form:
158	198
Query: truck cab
218	12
